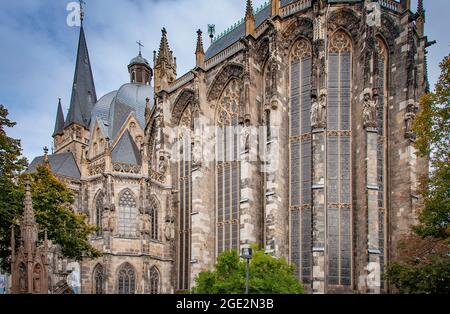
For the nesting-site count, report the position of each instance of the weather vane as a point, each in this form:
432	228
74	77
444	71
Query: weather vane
140	46
211	31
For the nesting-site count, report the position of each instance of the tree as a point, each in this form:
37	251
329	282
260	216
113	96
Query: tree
424	266
11	164
267	275
52	202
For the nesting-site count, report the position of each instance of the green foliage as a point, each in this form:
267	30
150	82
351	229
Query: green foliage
432	126
52	202
424	266
267	275
423	278
11	164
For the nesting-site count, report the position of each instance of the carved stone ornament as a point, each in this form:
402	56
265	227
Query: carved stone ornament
410	115
162	165
319	111
369	110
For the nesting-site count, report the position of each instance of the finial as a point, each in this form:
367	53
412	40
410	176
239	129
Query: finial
249	9
81	10
46	161
140	46
420	9
199	42
164	31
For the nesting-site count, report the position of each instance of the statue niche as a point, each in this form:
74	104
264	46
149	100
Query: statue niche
319	111
369	109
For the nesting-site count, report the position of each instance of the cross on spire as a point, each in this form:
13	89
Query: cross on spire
140	46
81	10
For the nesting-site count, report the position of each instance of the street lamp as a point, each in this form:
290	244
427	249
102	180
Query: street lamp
247	254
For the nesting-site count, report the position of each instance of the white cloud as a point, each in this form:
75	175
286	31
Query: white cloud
38	49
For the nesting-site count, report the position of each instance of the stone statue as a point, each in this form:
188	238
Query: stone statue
369	110
318	111
410	115
162	166
169	230
111	220
245	139
37	280
22	279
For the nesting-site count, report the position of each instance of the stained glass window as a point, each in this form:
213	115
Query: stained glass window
99	280
301	159
185	137
126	279
338	187
127	215
99	205
228	168
154	281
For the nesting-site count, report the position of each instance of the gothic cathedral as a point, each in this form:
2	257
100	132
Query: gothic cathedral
292	131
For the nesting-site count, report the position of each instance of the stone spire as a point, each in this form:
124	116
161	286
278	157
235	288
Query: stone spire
420	19
59	124
249	19
165	64
199	51
84	96
275	7
28	213
406	4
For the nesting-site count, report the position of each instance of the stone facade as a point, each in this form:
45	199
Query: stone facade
323	172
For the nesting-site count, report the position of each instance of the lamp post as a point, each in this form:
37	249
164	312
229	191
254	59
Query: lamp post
247	254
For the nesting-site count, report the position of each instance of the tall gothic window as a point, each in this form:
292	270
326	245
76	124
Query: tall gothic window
126	279
382	79
99	205
99	280
228	168
127	214
153	213
300	158
185	129
338	189
154	281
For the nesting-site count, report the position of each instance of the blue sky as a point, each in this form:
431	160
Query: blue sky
38	49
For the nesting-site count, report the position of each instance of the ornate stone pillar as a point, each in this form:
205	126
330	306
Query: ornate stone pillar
372	190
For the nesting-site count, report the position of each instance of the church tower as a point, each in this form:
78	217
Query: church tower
84	97
140	70
29	265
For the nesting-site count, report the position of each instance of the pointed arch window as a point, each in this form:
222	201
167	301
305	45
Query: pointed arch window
338	189
153	213
185	137
228	168
154	281
99	205
126	280
128	213
300	158
99	280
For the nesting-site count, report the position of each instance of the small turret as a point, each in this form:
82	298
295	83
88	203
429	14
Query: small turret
165	65
420	19
139	69
199	51
249	19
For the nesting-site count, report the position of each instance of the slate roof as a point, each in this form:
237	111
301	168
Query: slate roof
61	164
59	124
83	89
239	32
126	151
